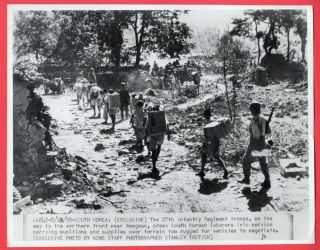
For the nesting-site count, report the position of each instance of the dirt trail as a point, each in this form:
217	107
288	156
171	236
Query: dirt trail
178	189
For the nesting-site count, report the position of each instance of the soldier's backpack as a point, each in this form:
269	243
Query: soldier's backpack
94	95
114	101
157	122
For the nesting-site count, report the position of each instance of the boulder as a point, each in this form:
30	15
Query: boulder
193	115
53	187
297	72
292	168
276	66
150	92
123	152
67	173
79	158
261	77
99	147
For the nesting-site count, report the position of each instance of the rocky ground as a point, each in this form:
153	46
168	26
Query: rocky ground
101	172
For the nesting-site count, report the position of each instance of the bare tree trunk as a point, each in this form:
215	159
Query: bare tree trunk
288	45
303	49
138	55
227	93
234	100
258	41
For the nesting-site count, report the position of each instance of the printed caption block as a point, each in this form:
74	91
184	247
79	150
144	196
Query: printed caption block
158	227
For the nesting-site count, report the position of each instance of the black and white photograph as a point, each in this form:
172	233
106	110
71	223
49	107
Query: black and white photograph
155	110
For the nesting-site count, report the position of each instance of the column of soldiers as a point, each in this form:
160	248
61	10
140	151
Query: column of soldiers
150	127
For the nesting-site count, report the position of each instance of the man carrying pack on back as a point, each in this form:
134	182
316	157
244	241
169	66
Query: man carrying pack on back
137	121
258	128
211	148
95	99
156	126
113	105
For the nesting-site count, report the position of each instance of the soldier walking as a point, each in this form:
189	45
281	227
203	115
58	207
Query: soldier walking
211	149
257	129
157	126
124	100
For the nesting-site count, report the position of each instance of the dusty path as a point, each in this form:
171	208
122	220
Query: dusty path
178	189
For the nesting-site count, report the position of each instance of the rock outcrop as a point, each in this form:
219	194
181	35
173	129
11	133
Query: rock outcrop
29	152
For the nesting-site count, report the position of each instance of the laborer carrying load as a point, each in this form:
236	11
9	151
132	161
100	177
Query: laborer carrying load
258	129
92	78
137	121
156	126
113	106
95	99
211	146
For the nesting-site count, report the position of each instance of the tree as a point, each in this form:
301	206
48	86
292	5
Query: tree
233	60
140	22
93	56
206	44
160	31
270	39
172	36
244	26
301	31
288	19
100	31
79	33
35	33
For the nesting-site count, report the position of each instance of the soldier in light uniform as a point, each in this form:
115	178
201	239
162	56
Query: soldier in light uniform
112	111
95	99
257	130
81	88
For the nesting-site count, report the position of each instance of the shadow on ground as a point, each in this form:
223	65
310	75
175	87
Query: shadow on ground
257	199
107	131
210	186
151	175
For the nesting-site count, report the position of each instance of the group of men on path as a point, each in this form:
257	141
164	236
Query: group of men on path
144	119
258	129
150	126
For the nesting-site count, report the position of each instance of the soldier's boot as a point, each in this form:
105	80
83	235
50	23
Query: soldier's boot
140	146
225	174
245	180
154	161
201	172
266	184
